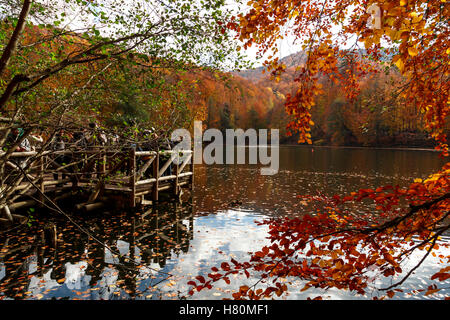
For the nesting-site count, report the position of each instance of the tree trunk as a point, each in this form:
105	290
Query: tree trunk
12	44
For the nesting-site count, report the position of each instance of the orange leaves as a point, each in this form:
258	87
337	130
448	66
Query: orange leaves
414	34
442	275
431	290
390	293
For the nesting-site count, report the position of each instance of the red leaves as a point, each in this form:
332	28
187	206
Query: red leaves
329	249
225	266
201	279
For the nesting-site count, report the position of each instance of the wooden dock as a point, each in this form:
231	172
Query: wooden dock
133	177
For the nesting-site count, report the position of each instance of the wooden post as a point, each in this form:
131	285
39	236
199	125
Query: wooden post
191	178
74	177
175	183
8	213
132	181
103	163
155	175
41	181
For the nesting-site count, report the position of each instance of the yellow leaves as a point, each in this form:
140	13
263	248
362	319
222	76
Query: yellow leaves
403	2
400	65
293	14
380	262
395	34
171	283
368	43
412	51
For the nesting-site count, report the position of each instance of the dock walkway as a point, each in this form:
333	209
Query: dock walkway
137	177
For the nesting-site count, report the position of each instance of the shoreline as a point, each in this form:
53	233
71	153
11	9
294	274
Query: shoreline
341	147
362	147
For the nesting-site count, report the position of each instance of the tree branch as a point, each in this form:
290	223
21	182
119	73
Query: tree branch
12	44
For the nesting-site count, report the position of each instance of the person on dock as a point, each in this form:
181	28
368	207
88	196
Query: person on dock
59	144
24	145
36	141
14	136
96	137
79	139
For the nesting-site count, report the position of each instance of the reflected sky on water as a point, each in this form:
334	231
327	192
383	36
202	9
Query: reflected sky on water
172	243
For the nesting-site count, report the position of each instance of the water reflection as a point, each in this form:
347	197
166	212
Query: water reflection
183	241
78	266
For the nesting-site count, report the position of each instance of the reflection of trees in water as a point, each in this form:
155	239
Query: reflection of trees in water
151	237
15	265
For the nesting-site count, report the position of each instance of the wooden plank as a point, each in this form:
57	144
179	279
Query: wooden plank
185	162
21	204
117	188
145	167
25	185
181	175
166	187
146	181
166	165
145	153
146	202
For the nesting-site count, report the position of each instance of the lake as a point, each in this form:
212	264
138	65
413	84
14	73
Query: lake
163	247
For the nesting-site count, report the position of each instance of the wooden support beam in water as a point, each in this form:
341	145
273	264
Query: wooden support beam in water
22	204
86	207
132	179
41	181
175	181
155	175
191	178
8	213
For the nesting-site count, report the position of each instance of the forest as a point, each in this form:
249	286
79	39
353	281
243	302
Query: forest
91	91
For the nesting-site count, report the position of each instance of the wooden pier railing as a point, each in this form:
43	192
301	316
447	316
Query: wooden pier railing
129	173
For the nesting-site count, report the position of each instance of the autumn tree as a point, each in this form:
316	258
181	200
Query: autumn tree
64	64
349	240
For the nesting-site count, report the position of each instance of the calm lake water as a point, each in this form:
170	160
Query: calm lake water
215	224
